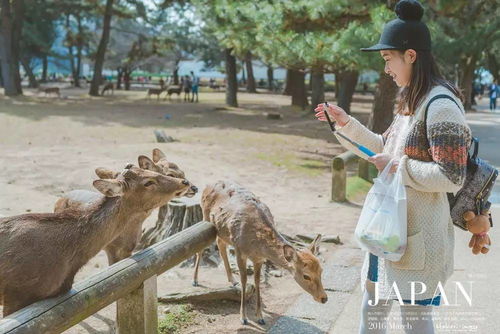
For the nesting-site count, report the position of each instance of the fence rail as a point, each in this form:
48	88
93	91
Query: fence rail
130	282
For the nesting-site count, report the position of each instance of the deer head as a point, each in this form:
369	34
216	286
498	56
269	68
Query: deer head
306	269
146	188
160	164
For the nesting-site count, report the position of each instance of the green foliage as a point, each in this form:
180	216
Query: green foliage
173	322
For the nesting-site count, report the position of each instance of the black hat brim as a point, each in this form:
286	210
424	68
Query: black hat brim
379	47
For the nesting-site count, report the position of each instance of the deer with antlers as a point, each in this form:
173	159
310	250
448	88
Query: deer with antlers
41	253
126	241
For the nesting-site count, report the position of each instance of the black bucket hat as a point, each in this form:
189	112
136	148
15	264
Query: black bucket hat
405	32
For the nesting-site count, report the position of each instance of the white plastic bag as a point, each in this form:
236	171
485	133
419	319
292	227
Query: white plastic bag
381	228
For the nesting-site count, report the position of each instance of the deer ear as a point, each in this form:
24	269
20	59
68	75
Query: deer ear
314	246
158	155
146	163
109	188
105	173
290	253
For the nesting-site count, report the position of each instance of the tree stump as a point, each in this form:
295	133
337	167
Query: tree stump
174	217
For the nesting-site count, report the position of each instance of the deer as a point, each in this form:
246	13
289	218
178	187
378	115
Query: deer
108	87
174	90
246	223
40	253
51	90
155	91
127	240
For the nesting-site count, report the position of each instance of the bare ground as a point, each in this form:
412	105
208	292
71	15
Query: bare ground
50	146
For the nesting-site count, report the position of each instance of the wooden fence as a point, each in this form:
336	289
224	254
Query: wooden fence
366	171
130	282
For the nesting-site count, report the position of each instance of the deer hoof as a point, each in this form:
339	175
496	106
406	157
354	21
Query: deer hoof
244	322
261	322
195	283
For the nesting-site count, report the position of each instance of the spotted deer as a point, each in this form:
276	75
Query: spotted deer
40	253
108	87
174	89
155	91
126	241
247	224
50	90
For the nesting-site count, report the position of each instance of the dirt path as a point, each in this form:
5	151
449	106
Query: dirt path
50	146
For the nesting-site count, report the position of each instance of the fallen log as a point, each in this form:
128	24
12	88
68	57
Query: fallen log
229	293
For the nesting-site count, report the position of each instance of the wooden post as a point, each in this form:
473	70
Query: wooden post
137	313
366	170
339	180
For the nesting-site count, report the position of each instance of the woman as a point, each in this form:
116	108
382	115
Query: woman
431	155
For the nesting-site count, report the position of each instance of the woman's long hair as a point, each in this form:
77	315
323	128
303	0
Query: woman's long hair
425	75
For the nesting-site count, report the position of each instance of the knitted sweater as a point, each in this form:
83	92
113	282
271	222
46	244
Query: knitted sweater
429	170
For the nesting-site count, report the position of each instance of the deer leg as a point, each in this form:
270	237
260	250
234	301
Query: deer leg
196	267
223	254
242	266
257	269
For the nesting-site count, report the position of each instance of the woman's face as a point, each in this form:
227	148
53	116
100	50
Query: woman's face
399	65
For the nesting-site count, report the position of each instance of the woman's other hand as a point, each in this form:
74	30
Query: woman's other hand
382	159
338	114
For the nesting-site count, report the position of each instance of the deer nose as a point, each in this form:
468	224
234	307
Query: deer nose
324	300
195	189
129	165
185	182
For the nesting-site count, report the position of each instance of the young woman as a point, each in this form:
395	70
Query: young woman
431	155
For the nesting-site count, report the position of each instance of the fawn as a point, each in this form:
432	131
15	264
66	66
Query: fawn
40	253
126	241
247	224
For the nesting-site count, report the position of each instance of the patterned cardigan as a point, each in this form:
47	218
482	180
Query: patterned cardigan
434	163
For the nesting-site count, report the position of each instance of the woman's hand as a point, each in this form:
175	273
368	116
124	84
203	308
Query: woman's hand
382	159
335	112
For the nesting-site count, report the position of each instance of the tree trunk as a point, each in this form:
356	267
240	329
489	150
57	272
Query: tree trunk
33	83
243	76
174	217
17	28
468	67
45	66
231	79
119	77
346	81
251	87
176	73
79	46
298	88
288	83
317	87
126	77
1	78
6	50
383	105
270	78
493	66
101	50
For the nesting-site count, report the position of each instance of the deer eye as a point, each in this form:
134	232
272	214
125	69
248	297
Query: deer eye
307	278
149	183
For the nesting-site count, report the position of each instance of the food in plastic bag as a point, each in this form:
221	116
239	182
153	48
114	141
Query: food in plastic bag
382	225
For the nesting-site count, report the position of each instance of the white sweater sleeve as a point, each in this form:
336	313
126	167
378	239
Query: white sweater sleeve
357	132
